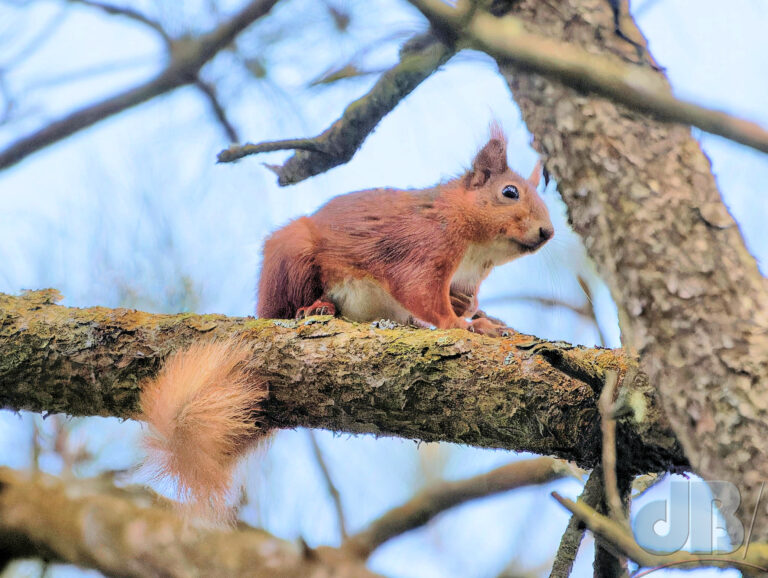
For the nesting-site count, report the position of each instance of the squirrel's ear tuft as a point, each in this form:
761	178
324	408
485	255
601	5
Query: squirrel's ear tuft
535	175
491	160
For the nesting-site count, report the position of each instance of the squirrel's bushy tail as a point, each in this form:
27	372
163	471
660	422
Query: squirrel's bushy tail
204	411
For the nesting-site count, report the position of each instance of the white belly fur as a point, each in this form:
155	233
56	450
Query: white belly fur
478	261
365	300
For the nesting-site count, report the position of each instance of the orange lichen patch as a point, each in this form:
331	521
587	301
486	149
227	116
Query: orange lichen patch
519	339
610	359
43	296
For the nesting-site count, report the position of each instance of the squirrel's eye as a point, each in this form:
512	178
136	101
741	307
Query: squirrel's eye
511	192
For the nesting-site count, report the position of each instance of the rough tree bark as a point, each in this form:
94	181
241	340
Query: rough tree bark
641	194
517	393
131	531
94	525
691	299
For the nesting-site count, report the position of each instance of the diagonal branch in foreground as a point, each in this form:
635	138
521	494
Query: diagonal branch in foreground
751	559
188	56
438	498
420	57
640	88
43	516
95	525
452	386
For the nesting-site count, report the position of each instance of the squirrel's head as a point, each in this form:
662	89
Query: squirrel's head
504	204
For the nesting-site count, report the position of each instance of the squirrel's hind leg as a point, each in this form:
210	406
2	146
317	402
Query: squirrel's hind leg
321	306
290	278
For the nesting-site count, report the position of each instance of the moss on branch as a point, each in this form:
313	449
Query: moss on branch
451	386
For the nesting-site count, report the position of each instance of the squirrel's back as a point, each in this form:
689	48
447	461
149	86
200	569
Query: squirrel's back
343	239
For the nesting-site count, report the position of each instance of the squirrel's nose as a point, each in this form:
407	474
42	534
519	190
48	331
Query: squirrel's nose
546	233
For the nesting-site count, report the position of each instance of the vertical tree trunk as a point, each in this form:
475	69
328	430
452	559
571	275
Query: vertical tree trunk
691	299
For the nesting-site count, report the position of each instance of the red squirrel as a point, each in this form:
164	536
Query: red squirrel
404	255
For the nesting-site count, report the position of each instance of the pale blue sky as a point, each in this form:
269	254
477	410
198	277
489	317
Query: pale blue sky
118	213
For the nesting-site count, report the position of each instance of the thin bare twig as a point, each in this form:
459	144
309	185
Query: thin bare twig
608	562
336	145
586	311
130	13
432	501
187	58
590	309
206	88
612	498
209	91
332	489
236	152
581	311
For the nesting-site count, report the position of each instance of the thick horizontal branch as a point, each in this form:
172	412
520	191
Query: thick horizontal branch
452	386
338	144
95	525
639	88
436	499
188	56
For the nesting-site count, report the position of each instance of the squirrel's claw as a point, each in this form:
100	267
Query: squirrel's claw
319	307
486	326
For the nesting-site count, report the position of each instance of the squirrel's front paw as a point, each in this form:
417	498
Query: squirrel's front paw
485	326
482	315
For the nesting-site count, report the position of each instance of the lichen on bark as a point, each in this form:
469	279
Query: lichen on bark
642	195
515	393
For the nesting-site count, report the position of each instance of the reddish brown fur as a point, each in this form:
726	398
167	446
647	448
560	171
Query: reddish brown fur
422	252
203	411
290	278
409	242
